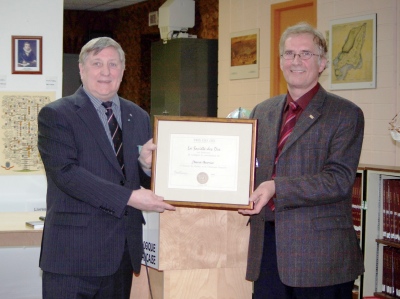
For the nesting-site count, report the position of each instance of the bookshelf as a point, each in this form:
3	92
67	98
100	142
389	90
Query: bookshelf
358	212
379	234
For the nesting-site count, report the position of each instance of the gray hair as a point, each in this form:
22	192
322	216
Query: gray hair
96	45
300	28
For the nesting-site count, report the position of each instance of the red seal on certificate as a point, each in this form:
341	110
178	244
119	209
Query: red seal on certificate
202	177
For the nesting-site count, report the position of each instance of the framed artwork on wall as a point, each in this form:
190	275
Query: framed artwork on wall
352	48
26	55
245	54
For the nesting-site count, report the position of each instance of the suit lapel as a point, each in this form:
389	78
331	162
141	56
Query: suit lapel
269	119
275	114
90	118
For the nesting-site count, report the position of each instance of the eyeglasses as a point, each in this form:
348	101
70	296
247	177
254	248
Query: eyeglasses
289	55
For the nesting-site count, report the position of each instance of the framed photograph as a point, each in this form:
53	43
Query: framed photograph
204	161
352	46
26	55
245	55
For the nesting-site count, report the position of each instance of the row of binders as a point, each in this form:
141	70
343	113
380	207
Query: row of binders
391	271
391	232
391	209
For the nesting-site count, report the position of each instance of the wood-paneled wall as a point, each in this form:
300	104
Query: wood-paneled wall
129	26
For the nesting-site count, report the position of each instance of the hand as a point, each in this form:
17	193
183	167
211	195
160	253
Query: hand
146	154
260	197
146	200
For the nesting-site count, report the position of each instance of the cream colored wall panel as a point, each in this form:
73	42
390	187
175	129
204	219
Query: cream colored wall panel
388	64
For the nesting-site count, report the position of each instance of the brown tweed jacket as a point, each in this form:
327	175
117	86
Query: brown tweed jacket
315	240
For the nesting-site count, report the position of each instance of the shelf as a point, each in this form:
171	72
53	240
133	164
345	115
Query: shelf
373	253
383	296
388	243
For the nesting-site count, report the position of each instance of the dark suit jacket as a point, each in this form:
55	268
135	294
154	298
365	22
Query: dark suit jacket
87	219
315	240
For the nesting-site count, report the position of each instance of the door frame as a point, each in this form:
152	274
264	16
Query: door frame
277	29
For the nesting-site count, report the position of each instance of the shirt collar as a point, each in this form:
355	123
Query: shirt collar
97	103
305	99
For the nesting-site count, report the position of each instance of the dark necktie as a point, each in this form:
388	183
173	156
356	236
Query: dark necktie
116	133
287	129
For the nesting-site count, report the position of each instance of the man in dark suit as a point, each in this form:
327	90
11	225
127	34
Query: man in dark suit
26	56
302	240
92	238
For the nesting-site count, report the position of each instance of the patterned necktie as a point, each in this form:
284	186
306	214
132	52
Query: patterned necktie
287	129
116	133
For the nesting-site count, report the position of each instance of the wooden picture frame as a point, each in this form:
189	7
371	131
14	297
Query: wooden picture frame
204	161
26	55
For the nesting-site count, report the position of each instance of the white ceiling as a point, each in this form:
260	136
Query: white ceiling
98	5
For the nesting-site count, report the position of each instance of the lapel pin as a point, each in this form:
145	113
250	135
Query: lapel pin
312	117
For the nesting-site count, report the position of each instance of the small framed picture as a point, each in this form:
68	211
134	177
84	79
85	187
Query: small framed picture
26	55
245	51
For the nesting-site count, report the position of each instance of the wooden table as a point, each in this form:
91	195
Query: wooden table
14	231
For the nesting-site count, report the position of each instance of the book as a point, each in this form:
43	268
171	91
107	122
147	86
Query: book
36	224
391	209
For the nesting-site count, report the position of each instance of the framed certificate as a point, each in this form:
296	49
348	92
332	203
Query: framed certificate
204	161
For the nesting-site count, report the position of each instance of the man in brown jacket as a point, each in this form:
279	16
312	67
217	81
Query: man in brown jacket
302	241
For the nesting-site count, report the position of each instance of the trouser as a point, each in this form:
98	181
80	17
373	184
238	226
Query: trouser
269	285
116	286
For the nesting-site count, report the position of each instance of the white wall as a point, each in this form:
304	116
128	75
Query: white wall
29	18
21	277
45	18
379	105
20	273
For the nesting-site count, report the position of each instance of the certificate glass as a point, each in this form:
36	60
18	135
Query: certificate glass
204	161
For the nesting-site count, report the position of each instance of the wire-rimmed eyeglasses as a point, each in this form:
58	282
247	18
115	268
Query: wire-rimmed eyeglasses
289	55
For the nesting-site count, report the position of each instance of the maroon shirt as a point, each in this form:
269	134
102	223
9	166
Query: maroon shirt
303	101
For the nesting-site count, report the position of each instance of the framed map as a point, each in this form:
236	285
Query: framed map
19	153
352	46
